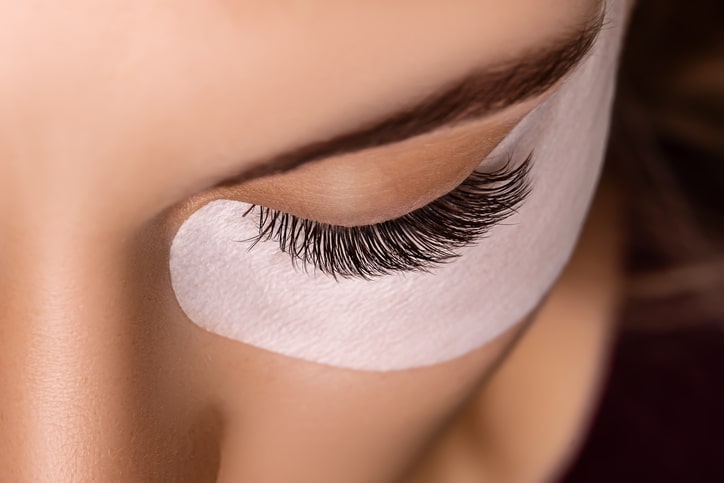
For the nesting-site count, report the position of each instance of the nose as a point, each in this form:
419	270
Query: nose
94	382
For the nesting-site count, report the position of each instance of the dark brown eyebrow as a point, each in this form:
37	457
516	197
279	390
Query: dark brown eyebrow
481	93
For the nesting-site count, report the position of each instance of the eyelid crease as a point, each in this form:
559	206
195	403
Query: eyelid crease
387	182
417	241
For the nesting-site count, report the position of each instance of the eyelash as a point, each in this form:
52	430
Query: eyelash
417	241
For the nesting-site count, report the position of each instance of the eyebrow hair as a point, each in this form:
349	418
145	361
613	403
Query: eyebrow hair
481	93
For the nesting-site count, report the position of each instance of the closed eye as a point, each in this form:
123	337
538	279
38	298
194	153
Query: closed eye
418	241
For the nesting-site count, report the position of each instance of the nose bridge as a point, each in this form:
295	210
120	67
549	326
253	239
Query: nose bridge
92	383
65	367
81	365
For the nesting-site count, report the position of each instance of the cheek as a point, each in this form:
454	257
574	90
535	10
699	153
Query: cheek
257	297
304	412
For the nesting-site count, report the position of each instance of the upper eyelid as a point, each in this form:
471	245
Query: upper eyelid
513	193
331	157
390	182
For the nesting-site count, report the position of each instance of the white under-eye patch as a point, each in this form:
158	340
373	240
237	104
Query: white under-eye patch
409	320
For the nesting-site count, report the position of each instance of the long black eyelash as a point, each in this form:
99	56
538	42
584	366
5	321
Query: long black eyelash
418	241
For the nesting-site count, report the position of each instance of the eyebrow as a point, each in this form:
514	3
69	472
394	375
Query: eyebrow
482	93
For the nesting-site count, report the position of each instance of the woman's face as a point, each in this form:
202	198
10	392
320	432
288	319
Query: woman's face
145	337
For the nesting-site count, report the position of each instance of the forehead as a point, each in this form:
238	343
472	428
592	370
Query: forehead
206	86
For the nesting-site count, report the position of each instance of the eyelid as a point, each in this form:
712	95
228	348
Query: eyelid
417	241
373	186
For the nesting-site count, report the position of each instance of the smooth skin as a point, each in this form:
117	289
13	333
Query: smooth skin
114	114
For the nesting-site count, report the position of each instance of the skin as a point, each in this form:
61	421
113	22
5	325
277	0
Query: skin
117	118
